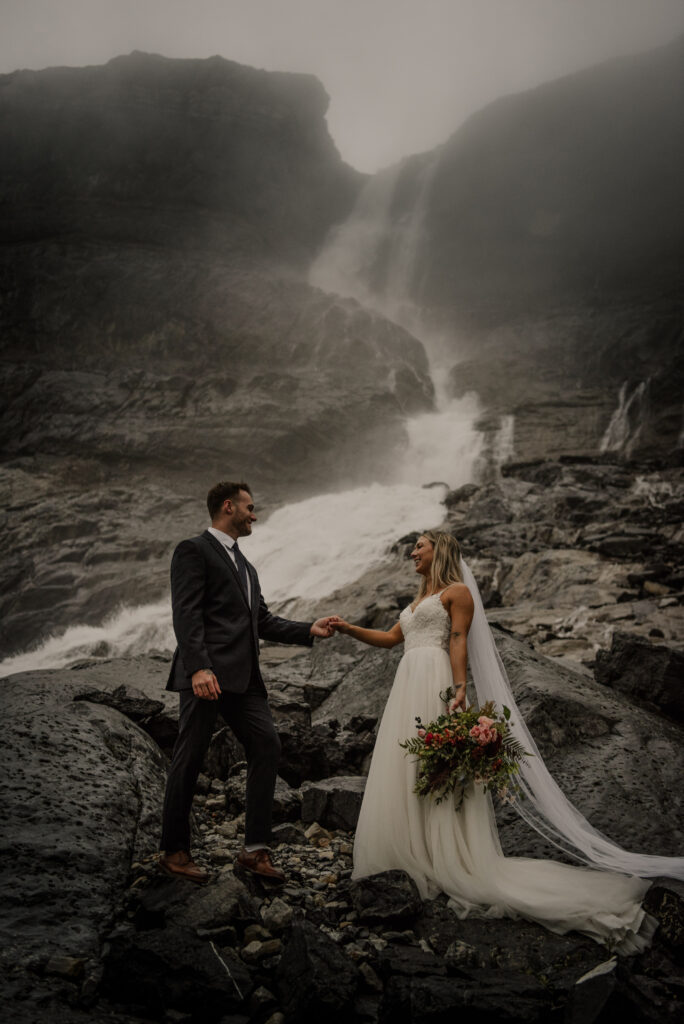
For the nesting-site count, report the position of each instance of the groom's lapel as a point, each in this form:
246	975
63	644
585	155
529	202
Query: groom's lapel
218	546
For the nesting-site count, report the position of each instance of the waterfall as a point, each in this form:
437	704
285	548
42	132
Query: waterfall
373	256
311	548
626	423
126	631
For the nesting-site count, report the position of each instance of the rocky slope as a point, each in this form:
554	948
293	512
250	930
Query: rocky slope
113	940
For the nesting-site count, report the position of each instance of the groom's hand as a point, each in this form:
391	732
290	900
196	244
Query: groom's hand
205	685
324	627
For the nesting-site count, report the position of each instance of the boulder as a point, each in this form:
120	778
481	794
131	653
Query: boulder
591	992
276	915
334	803
652	673
321	750
208	910
127	701
171	969
390	898
81	799
315	979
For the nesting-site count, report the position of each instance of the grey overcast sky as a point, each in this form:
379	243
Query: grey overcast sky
401	74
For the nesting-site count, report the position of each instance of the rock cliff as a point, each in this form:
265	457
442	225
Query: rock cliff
157	330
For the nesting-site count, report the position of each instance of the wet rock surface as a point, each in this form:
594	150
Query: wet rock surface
117	940
648	672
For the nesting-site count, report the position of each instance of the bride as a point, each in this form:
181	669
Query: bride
458	853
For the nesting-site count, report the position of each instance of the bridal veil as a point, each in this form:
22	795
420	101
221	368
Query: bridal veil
542	803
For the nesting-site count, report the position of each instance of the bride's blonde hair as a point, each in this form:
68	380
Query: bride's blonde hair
446	562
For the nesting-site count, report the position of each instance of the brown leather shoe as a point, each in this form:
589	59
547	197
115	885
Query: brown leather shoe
259	863
181	865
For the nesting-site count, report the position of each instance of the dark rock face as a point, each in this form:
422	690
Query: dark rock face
334	803
241	159
566	375
314	978
174	970
580	546
80	802
654	674
390	897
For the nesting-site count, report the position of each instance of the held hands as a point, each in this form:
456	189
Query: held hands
205	685
324	627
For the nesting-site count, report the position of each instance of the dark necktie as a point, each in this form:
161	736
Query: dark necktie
241	566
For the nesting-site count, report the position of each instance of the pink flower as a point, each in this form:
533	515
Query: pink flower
421	733
483	734
483	720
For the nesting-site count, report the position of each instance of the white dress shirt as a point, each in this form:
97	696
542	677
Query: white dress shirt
228	541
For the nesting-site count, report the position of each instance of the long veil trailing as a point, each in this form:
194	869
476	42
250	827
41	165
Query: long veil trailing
542	804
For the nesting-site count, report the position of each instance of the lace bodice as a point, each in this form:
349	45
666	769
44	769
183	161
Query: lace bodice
427	626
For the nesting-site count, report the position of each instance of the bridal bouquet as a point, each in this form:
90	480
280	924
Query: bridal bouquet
475	745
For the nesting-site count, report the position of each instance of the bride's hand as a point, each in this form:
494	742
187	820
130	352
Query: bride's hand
340	625
458	701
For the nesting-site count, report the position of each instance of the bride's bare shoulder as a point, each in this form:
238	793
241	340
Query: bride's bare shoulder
457	595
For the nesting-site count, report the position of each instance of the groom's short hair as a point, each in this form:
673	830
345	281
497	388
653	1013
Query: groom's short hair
221	491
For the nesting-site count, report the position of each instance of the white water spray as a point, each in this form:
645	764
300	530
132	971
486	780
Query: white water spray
126	632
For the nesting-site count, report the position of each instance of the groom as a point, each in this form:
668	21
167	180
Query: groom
218	617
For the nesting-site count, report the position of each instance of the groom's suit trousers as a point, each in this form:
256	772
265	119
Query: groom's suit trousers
249	717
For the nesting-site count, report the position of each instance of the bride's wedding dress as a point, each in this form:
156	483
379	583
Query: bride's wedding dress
458	853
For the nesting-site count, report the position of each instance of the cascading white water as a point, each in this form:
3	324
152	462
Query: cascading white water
127	631
343	534
625	425
313	547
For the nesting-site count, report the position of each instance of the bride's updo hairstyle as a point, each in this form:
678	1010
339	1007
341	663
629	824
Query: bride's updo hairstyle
446	562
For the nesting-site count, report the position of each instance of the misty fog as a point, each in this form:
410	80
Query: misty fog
401	74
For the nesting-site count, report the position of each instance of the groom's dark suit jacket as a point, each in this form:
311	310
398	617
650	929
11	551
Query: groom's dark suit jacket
215	625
